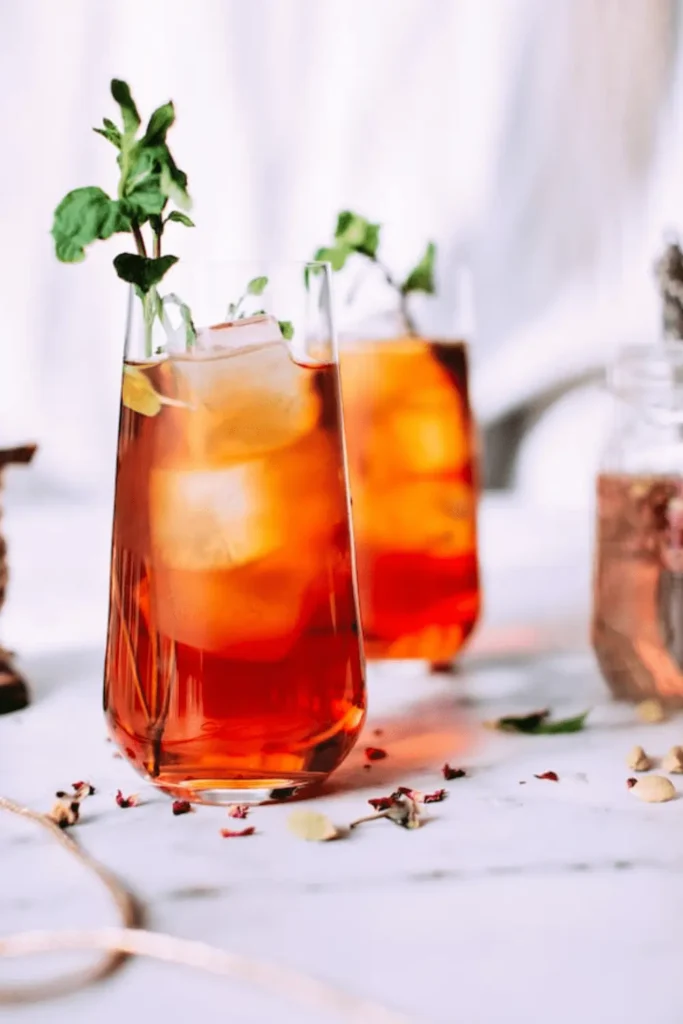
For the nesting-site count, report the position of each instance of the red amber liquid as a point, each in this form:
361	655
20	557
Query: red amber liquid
413	485
233	657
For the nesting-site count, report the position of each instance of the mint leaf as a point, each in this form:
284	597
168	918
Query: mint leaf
185	314
357	233
141	271
180	218
336	256
287	328
257	286
159	123
110	132
421	278
174	183
370	243
84	215
537	723
129	112
351	229
563	725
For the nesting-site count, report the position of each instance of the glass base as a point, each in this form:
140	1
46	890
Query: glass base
222	792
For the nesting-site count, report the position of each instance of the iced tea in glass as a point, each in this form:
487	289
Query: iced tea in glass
234	665
414	489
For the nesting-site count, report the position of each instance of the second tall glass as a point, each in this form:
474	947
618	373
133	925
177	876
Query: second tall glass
414	486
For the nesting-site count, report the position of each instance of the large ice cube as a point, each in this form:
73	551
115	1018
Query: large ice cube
436	517
244	402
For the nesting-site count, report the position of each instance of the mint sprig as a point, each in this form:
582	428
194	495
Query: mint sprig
149	179
356	235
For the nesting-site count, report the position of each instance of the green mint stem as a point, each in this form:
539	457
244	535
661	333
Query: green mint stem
139	240
410	324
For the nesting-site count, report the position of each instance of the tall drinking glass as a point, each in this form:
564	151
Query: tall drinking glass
413	471
234	667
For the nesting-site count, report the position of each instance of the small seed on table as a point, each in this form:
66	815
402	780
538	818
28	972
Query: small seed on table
673	762
638	761
650	711
654	789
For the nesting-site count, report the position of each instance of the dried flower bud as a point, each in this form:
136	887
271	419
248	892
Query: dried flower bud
65	813
654	789
673	762
238	810
651	711
181	807
126	801
638	761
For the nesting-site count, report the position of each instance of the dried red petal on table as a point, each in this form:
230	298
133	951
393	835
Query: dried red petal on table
414	794
631	783
87	786
375	753
436	797
452	773
181	807
126	801
382	803
549	776
229	833
238	810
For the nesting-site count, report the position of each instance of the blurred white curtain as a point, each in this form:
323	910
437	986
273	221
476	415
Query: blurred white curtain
523	134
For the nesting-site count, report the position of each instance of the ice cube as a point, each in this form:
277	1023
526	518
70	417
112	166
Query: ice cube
426	434
240	334
436	517
214	519
257	611
245	403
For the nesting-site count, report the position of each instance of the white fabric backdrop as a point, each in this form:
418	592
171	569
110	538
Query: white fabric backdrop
539	140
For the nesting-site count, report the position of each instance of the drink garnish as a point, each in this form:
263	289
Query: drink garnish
149	180
356	236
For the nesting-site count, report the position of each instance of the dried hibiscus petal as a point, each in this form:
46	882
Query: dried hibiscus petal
238	810
381	803
631	783
452	773
548	776
375	753
84	788
181	807
436	797
229	833
126	801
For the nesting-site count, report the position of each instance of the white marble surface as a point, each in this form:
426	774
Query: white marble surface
544	902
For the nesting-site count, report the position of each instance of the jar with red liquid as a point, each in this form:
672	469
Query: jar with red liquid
637	622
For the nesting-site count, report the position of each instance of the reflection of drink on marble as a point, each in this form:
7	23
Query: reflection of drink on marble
411	465
233	656
638	586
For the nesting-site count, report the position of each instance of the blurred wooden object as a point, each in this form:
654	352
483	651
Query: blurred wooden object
13	689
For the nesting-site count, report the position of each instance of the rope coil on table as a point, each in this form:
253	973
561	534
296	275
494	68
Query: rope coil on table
118	943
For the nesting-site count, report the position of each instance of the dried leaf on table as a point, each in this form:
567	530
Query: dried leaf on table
537	723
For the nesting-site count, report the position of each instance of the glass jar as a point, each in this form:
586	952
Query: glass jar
637	623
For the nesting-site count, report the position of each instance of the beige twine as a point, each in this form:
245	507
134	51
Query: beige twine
128	940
